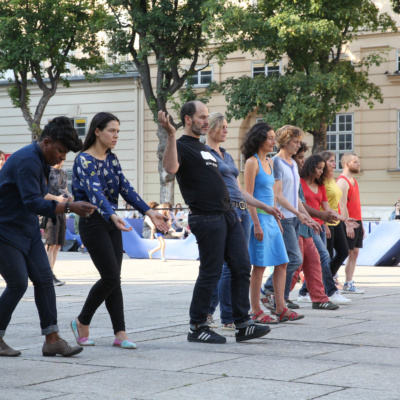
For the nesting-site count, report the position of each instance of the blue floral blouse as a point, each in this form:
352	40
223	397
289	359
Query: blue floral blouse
100	182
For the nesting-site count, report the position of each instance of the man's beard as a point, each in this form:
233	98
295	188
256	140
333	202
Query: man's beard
197	131
354	170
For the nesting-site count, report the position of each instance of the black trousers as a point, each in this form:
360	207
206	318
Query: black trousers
338	241
103	241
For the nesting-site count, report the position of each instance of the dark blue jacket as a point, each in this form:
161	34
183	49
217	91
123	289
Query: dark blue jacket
22	188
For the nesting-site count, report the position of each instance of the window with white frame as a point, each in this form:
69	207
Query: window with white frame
340	136
398	139
398	61
202	77
80	125
267	69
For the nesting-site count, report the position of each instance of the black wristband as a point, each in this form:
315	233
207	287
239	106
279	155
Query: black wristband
66	208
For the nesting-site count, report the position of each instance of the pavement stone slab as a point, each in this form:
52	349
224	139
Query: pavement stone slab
351	353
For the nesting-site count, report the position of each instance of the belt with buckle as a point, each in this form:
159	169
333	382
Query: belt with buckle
240	204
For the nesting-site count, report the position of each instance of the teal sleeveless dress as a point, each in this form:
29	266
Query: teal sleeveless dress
271	250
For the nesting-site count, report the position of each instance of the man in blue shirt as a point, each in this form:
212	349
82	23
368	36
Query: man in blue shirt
23	184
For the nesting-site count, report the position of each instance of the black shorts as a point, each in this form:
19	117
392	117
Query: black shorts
357	241
55	234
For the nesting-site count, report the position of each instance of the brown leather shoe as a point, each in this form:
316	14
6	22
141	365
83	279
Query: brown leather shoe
60	347
7	351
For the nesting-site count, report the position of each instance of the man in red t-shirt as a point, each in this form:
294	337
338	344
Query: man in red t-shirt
350	207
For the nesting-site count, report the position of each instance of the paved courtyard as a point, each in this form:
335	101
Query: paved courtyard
351	353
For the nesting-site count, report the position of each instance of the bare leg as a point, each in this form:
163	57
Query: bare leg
162	244
351	263
159	247
52	252
52	338
255	284
279	281
83	330
121	335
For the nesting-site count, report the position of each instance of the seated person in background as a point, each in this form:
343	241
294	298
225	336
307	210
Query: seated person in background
130	212
178	230
396	213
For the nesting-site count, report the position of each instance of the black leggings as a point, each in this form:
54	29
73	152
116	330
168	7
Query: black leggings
338	242
103	241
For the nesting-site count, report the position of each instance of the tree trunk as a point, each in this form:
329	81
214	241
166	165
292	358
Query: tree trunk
319	138
167	181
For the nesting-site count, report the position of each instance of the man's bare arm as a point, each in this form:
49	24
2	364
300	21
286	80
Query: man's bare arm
170	160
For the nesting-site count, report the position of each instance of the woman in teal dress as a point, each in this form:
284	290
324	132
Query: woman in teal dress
266	246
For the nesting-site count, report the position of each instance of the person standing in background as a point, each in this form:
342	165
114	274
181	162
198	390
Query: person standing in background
350	207
54	234
2	158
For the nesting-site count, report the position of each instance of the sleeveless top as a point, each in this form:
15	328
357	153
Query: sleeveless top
353	199
263	185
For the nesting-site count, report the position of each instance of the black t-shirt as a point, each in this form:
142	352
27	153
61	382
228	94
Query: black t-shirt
199	179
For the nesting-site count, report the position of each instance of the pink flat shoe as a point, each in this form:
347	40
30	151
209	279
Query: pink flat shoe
82	341
125	344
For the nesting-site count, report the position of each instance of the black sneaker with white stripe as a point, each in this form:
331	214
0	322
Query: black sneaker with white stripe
251	332
324	306
205	335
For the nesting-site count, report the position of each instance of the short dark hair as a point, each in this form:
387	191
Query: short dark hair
100	120
189	109
253	139
60	129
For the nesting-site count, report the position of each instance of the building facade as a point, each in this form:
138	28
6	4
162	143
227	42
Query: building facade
120	95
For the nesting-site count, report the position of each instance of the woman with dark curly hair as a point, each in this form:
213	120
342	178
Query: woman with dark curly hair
266	245
315	194
336	231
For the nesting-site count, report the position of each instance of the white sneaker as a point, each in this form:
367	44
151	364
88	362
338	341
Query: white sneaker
337	298
350	288
304	299
210	321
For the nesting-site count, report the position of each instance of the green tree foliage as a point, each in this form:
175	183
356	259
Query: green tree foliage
37	42
317	83
166	39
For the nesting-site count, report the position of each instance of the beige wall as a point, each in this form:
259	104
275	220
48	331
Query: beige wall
83	99
375	131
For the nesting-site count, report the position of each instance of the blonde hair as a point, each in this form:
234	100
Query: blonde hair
215	121
285	134
346	157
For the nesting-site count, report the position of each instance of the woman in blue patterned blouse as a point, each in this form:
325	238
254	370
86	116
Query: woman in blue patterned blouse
98	178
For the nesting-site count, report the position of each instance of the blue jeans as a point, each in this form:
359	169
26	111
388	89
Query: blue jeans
16	268
222	291
329	283
290	235
220	237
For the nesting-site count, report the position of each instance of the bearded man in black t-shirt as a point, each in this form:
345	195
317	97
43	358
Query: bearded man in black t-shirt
212	220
